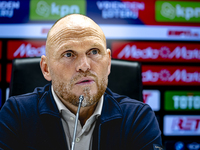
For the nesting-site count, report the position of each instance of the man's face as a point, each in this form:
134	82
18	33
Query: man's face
79	64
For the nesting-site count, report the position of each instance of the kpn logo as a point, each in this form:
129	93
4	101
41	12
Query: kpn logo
177	11
55	9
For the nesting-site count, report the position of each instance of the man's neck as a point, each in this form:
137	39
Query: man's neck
85	112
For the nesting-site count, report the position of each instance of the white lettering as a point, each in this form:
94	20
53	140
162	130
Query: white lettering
64	9
117	9
176	101
179	11
74	9
184	53
150	76
29	51
133	52
164	75
9	5
197	12
184	102
176	75
7	8
54	9
196	102
190	99
187	12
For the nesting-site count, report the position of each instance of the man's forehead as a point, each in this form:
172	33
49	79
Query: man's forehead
73	27
76	22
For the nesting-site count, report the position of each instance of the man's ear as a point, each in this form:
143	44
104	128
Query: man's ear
44	67
109	60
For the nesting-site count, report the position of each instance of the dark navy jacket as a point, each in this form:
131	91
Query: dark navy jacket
32	121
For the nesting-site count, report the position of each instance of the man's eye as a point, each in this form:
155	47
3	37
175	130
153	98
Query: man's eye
94	52
68	54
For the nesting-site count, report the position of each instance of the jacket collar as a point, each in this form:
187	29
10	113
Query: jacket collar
47	104
51	118
111	109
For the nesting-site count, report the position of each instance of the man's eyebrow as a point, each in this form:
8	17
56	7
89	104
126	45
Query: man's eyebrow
65	46
97	44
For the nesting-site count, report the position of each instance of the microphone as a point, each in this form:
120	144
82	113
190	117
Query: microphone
76	121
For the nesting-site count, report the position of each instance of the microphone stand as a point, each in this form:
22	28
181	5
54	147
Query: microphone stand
76	121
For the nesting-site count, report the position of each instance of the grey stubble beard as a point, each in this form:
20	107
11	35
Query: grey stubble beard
63	91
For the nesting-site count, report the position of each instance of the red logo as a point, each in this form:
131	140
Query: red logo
0	72
20	49
156	51
8	72
186	124
0	49
170	75
45	30
145	97
183	33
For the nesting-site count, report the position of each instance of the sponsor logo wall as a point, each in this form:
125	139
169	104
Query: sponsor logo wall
181	125
162	35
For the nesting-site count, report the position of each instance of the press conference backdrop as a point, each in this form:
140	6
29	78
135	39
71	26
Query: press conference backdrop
163	35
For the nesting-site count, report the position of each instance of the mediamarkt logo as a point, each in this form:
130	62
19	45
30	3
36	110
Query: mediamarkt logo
7	8
165	52
181	125
19	49
29	51
170	75
117	9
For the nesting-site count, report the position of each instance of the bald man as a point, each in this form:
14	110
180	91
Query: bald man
77	62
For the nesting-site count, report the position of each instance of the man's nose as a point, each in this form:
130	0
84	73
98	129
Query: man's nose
83	64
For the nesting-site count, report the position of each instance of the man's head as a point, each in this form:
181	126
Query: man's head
77	61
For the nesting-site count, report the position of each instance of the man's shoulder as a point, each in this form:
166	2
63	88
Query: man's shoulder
123	99
127	104
29	98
